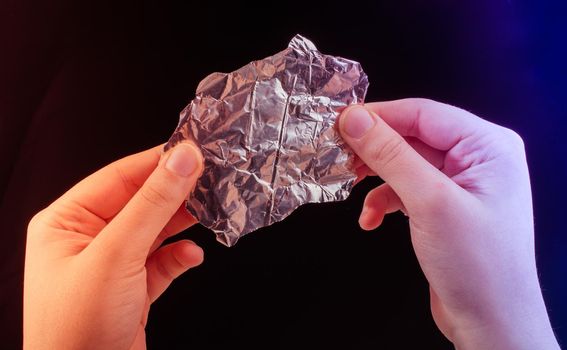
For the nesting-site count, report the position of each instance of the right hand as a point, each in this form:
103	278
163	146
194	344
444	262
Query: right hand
464	184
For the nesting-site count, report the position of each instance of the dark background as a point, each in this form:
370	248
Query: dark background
82	85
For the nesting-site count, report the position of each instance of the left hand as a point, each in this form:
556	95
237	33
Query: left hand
93	266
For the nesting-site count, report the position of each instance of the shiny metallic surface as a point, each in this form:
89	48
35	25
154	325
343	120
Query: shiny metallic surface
267	134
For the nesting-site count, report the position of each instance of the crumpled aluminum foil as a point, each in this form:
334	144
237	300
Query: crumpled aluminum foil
267	134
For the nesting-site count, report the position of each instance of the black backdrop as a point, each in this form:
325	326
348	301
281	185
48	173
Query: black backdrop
82	85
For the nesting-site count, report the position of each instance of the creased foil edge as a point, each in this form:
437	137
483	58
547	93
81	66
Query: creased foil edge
214	91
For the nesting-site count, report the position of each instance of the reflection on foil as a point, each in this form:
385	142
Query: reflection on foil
268	138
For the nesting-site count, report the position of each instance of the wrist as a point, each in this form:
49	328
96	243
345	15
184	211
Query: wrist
524	326
510	336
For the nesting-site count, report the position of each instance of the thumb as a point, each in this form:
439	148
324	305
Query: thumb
134	229
387	153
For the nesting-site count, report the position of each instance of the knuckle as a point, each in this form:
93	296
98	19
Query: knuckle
164	270
440	195
177	265
127	181
387	152
438	200
36	221
421	105
155	196
421	102
515	138
511	142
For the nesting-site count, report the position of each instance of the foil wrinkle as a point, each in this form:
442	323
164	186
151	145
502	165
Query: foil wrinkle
267	135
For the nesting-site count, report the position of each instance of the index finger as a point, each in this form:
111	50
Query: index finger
107	191
439	125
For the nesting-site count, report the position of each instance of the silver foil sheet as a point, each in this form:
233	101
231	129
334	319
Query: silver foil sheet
267	135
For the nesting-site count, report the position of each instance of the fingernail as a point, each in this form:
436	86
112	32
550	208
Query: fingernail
182	160
357	122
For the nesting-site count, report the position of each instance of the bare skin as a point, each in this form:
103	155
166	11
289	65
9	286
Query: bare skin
94	263
465	186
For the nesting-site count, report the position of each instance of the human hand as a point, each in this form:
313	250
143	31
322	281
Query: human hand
464	184
93	266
